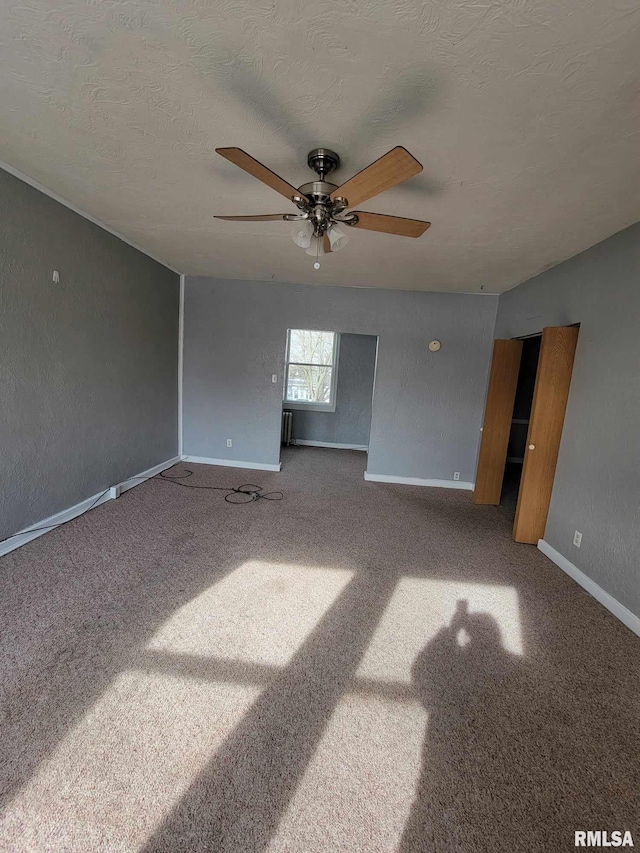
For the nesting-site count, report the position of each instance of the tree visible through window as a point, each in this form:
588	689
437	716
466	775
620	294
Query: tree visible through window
311	366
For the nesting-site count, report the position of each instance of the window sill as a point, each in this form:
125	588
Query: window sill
309	407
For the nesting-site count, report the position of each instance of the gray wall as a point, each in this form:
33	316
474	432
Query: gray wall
427	407
88	367
350	422
597	486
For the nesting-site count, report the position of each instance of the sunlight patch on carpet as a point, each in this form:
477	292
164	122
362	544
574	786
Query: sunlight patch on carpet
419	608
260	613
116	777
359	787
118	774
361	784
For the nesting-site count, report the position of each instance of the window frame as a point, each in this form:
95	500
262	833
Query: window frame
309	405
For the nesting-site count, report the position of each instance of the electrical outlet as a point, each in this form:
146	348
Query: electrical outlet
229	443
456	475
577	539
274	378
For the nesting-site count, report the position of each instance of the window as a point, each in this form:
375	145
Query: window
312	368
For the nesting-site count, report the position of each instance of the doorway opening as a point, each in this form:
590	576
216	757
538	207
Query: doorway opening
516	448
328	389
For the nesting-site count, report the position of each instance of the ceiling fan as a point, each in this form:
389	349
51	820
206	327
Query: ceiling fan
323	206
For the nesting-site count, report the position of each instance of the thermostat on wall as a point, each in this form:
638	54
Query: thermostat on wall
434	346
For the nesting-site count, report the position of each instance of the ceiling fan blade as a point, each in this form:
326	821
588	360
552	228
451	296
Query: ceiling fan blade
392	168
245	161
261	217
326	243
390	224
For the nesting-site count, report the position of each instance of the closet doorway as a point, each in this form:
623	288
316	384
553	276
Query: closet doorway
517	443
523	425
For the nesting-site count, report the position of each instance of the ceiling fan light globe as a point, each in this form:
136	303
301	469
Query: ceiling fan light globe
316	248
301	234
337	238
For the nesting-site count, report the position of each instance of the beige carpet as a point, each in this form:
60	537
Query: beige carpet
360	667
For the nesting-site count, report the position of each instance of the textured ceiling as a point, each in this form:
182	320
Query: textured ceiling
524	113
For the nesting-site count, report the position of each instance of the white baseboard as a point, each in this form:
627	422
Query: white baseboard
232	463
48	524
612	604
145	475
306	443
417	481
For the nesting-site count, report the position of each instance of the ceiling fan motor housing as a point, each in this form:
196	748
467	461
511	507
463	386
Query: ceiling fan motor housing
319	191
316	201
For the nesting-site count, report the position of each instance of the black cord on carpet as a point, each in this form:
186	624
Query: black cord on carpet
247	493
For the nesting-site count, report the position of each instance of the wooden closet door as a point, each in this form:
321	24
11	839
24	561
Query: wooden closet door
498	412
553	378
